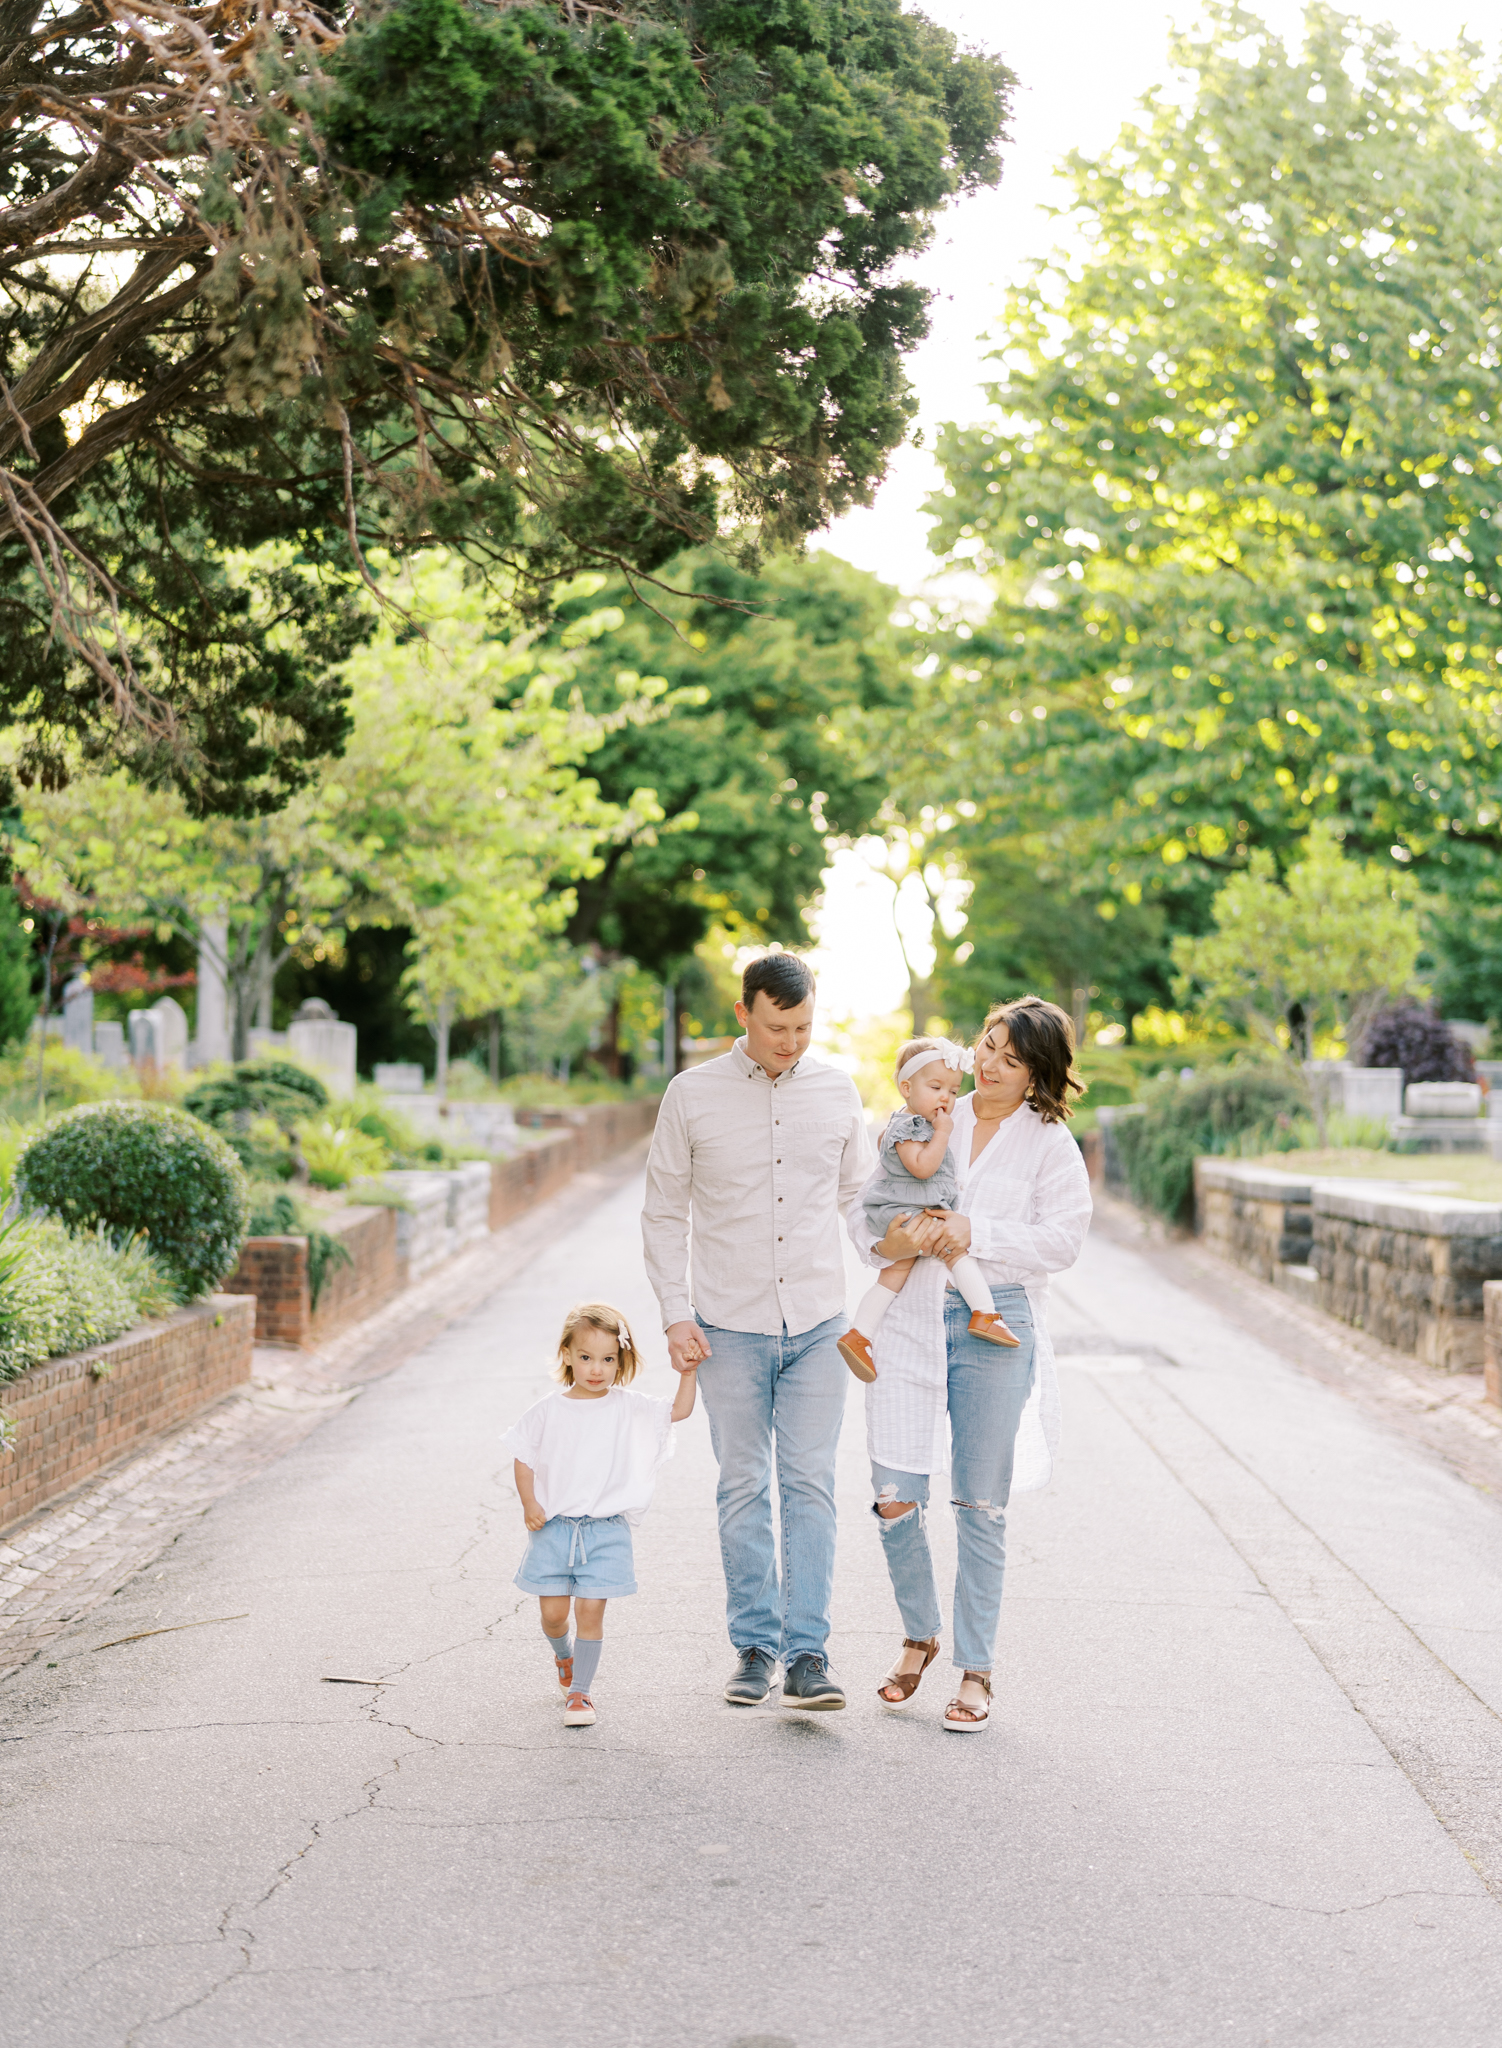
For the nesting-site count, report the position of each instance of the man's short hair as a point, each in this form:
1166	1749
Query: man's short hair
786	979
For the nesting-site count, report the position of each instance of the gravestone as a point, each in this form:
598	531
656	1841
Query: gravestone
109	1044
1442	1098
78	1014
145	1038
211	1039
399	1077
1372	1091
159	1034
316	1039
173	1031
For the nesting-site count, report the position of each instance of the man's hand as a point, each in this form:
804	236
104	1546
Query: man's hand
688	1347
534	1515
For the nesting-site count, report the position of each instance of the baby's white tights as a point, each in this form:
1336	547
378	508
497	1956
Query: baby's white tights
967	1277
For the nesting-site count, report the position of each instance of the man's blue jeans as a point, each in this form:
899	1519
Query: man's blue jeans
988	1390
779	1398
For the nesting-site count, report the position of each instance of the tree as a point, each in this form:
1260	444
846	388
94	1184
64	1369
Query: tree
457	812
17	1003
574	285
1326	949
1239	497
754	769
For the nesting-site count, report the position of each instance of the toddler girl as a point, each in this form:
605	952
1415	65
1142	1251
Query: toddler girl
915	1172
586	1461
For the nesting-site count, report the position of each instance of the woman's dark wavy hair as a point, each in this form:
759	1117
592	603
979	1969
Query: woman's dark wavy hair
1042	1036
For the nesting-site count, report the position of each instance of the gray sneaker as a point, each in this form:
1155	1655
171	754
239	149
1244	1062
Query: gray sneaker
809	1683
751	1680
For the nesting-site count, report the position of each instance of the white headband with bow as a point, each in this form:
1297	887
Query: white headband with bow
959	1057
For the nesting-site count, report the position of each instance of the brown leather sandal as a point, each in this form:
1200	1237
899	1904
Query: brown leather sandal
961	1719
907	1682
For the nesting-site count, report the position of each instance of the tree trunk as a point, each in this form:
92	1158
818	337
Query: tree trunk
441	1035
610	1045
669	1029
493	1049
920	988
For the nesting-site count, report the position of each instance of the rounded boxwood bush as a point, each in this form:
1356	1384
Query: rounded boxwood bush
142	1167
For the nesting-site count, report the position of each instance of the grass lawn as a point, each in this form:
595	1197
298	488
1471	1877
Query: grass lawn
1473	1174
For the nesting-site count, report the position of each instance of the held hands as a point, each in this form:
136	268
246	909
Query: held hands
688	1347
941	1234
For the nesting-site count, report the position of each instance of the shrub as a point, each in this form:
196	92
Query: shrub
1417	1041
142	1168
63	1291
1239	1108
68	1078
275	1213
339	1152
254	1108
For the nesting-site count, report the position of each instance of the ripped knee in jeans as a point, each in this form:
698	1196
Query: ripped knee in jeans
889	1508
992	1511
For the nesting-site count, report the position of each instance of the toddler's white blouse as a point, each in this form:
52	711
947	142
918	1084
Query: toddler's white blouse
594	1457
1028	1200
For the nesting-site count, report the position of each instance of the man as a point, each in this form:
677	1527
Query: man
763	1149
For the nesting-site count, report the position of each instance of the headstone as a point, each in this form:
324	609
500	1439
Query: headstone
78	1014
109	1044
172	1031
316	1011
1469	1032
328	1048
1372	1091
145	1038
1442	1099
211	1037
399	1077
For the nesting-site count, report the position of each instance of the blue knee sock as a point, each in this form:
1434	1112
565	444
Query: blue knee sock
561	1645
586	1663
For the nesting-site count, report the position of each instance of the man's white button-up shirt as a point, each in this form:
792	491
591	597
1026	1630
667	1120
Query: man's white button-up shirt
762	1169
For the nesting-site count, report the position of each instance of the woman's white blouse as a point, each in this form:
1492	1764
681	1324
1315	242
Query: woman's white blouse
1028	1200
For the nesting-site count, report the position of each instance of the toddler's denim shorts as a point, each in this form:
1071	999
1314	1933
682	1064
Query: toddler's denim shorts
580	1555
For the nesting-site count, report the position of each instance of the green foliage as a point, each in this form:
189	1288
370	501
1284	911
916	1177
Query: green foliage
17	1003
1239	1109
63	1291
142	1168
275	1213
1325	950
1239	496
337	1151
756	762
69	1077
569	286
255	1107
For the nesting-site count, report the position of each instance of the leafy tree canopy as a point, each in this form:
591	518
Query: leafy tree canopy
458	812
755	767
572	285
1239	499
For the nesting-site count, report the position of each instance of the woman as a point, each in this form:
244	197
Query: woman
1024	1207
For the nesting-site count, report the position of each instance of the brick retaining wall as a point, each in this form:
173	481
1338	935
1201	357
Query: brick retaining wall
275	1269
73	1416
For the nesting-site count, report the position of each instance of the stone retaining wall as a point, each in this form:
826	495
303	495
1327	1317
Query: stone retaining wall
1409	1268
73	1416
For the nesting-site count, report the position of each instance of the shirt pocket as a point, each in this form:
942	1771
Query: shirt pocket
816	1144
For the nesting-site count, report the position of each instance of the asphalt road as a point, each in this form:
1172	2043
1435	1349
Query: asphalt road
1244	1783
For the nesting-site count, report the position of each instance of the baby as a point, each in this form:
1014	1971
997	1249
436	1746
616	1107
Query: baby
915	1172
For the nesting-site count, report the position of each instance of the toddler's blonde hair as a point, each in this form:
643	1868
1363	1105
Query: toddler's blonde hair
914	1045
597	1315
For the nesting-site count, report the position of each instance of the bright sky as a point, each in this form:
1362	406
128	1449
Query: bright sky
1083	67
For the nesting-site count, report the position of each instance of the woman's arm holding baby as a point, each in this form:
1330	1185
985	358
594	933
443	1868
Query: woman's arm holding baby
528	1494
683	1400
924	1159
